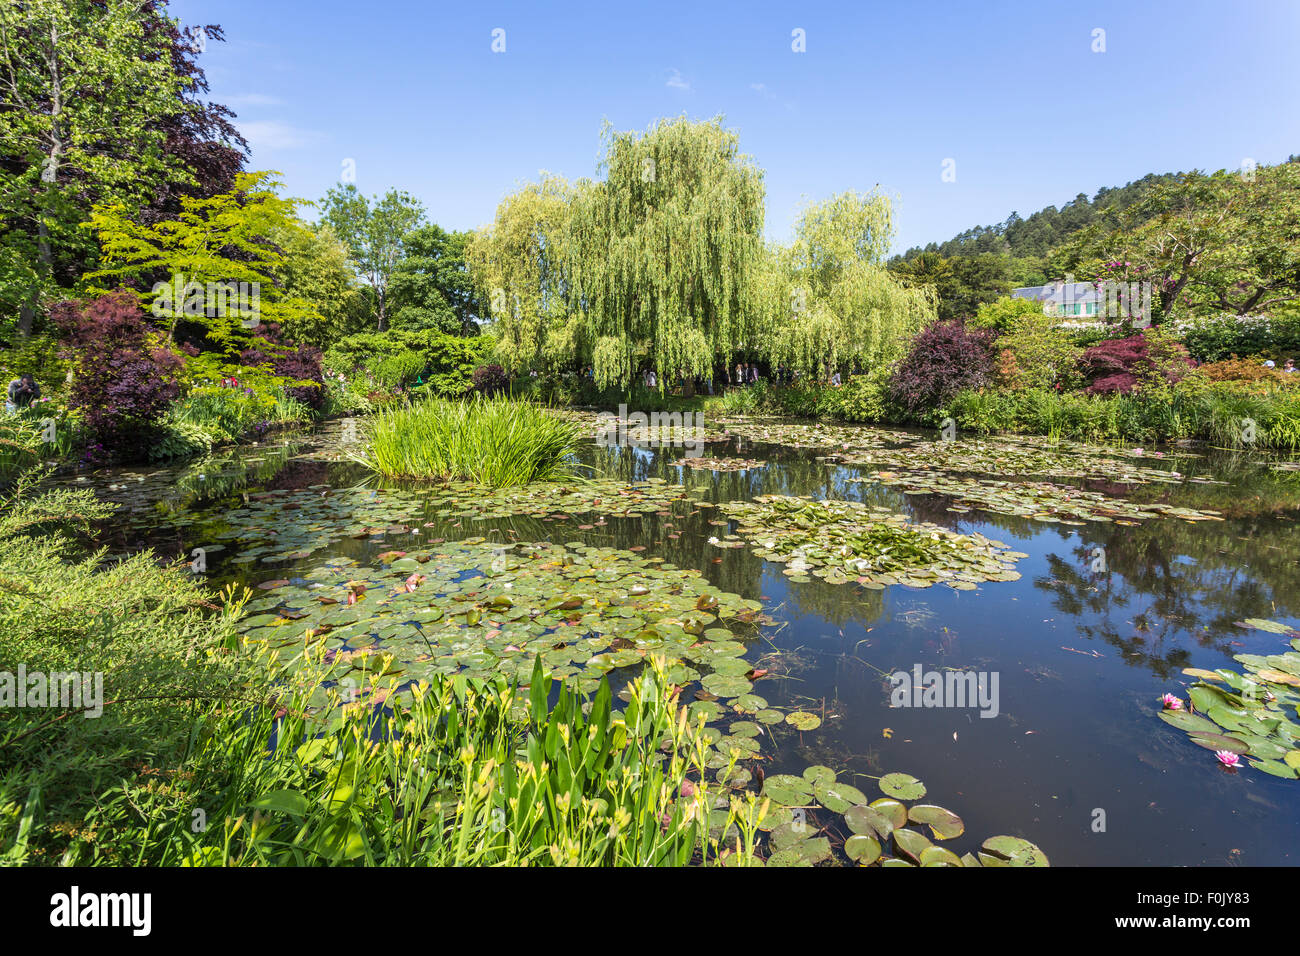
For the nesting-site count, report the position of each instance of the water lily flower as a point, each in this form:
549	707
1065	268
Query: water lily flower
1228	758
1171	702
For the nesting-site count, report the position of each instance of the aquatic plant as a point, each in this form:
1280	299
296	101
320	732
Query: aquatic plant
842	541
1041	501
456	771
497	442
1251	713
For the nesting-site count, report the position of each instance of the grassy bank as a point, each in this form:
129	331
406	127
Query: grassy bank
459	772
1260	415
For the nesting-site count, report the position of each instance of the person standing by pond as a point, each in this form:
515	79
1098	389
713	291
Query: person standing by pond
22	392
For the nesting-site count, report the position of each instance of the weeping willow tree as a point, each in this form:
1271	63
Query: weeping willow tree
518	265
828	298
663	250
662	263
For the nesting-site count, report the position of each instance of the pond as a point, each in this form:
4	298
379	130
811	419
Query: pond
1128	569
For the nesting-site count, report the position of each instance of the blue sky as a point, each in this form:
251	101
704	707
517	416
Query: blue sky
1012	92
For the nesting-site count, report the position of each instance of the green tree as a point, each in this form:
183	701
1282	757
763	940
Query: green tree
1004	313
517	263
87	86
663	250
432	288
316	268
835	301
216	246
961	283
1207	243
375	231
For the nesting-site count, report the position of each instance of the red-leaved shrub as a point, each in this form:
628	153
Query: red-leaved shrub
1122	365
490	379
945	358
124	378
298	362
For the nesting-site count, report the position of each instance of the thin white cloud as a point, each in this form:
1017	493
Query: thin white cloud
678	82
274	135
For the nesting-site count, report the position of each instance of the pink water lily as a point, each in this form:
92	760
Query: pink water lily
1228	758
1171	702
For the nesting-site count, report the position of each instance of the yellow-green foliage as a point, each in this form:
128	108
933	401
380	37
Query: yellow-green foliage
517	263
662	263
194	247
828	298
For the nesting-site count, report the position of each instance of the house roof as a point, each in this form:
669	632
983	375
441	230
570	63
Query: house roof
1059	292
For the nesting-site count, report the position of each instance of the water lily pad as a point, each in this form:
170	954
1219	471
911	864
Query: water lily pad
902	786
802	720
910	844
1015	851
862	848
944	824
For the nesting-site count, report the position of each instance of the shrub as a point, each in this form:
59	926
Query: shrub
1041	356
1119	366
865	397
490	380
1220	337
398	371
446	362
1243	370
494	442
944	358
298	363
145	627
125	378
40	356
1005	313
180	439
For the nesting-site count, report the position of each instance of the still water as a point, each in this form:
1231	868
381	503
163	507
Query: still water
1075	759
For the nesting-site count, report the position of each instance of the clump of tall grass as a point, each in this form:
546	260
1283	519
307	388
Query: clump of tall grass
460	771
499	442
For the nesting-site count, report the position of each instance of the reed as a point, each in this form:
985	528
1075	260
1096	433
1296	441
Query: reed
499	442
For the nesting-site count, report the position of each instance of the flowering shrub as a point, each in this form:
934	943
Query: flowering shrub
945	358
1123	365
125	377
1213	339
